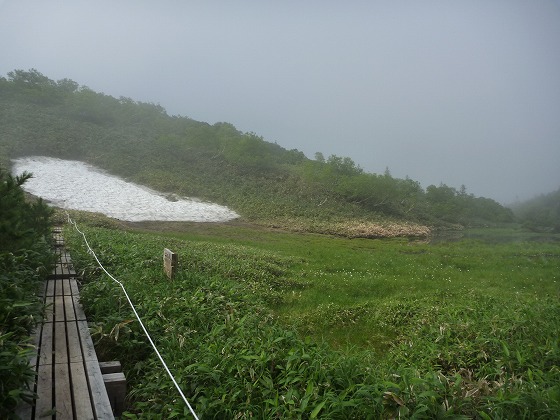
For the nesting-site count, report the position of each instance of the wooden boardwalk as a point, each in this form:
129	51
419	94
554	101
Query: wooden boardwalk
69	381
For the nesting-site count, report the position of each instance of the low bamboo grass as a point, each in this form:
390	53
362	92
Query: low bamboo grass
263	323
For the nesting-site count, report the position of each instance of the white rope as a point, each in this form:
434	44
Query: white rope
137	317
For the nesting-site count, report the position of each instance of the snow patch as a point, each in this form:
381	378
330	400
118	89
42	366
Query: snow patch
76	185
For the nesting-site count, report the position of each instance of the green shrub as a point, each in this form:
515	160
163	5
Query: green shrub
25	259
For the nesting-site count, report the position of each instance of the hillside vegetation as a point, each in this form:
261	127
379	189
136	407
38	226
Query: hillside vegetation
541	214
261	181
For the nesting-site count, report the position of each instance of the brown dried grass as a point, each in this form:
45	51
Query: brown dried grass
361	229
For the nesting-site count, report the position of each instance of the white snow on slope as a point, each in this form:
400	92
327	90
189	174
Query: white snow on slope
79	186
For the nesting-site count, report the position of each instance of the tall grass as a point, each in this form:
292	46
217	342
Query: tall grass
261	323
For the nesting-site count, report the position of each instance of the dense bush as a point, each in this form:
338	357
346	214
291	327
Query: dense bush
25	258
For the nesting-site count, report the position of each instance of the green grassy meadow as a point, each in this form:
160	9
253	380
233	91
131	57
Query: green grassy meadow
263	323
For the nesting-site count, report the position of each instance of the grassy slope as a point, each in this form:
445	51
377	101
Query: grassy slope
263	182
159	154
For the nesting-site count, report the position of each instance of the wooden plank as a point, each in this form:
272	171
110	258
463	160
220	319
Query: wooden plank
74	344
49	309
60	345
57	287
88	350
102	405
62	392
42	288
69	266
62	270
74	290
50	288
65	287
56	269
64	273
44	402
62	383
69	308
78	309
59	308
66	261
46	347
80	392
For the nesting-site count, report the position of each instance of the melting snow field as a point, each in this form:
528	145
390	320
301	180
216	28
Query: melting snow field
76	185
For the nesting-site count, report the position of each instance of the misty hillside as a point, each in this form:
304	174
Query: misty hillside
261	181
541	213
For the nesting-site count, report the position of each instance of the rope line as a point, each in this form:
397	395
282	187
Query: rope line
72	222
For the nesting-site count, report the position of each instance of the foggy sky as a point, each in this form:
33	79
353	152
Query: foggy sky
459	92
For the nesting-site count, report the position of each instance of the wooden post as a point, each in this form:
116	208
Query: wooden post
115	384
113	366
169	263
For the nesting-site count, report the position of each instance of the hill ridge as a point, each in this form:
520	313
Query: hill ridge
260	180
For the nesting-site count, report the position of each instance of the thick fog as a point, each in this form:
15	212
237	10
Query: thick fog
459	92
